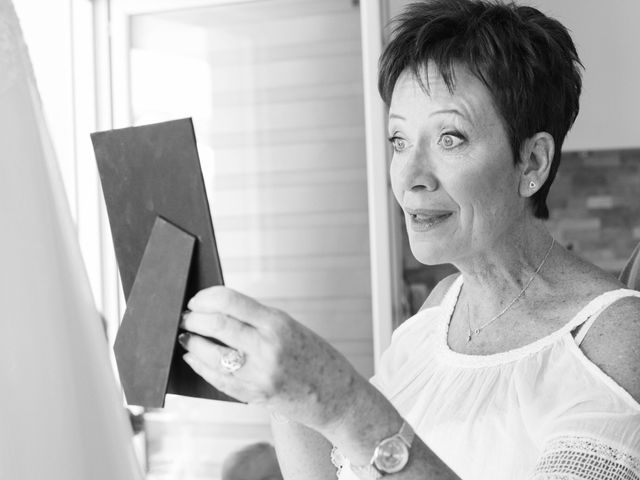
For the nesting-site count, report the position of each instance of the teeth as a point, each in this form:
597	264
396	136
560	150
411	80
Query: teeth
428	218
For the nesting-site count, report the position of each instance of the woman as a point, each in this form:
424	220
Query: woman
496	374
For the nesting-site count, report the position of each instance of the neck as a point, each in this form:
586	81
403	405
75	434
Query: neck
499	273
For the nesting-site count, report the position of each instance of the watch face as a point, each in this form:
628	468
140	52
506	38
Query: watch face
391	455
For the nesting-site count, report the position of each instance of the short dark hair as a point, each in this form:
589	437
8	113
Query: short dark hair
526	59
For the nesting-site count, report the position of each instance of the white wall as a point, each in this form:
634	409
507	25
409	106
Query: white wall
607	38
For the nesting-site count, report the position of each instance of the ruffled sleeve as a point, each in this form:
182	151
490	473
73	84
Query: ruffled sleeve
339	461
572	457
591	430
594	438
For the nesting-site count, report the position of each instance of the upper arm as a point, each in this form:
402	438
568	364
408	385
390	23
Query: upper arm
437	294
612	344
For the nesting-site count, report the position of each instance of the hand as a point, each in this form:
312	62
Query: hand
288	368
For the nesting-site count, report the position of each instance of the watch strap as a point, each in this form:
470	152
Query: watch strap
407	434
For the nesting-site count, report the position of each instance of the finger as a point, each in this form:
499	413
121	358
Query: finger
224	300
222	327
222	381
206	351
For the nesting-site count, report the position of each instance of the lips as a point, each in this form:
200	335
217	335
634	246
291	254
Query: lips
425	219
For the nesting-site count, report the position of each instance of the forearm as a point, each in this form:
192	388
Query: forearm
303	453
373	418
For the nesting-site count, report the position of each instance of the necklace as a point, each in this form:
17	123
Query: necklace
476	331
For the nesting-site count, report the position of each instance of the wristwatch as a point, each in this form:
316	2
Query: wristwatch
391	455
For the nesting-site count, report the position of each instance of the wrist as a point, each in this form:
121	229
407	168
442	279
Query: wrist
390	456
369	419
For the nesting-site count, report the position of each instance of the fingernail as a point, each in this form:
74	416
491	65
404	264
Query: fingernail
184	316
183	338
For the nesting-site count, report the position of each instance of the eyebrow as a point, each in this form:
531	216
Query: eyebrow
448	110
437	112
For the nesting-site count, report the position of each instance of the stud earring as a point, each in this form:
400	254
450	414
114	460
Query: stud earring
532	184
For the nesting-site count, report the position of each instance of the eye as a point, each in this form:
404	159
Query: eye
398	143
450	140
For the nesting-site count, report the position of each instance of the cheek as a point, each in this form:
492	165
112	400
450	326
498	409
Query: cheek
395	181
483	196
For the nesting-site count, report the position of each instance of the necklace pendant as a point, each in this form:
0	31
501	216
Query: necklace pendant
469	336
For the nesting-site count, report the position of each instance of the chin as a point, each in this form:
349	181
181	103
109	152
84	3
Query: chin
430	254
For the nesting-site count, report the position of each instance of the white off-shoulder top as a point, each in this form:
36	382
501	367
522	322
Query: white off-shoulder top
542	411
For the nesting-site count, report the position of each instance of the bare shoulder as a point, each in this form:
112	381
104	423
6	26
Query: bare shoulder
612	344
439	291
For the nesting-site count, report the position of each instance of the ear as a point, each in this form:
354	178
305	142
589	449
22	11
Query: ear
536	157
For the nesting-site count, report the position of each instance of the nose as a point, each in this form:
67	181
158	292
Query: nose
415	172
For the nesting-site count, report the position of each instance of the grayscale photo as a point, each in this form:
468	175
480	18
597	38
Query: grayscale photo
320	240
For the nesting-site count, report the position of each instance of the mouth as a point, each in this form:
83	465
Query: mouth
422	220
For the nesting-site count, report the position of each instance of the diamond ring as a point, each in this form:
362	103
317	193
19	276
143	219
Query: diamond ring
232	360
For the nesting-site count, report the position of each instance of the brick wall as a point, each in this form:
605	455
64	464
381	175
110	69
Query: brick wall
595	211
595	206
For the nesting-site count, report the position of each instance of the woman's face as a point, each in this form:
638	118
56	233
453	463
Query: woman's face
452	170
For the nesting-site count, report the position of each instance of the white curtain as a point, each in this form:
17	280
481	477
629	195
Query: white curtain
61	415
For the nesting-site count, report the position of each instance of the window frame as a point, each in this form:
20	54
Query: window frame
113	20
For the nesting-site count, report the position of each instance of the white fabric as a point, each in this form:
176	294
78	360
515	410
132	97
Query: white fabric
522	414
61	413
572	457
582	330
338	460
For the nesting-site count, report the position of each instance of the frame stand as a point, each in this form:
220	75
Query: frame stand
145	342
